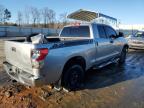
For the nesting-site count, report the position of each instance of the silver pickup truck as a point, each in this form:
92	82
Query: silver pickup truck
65	59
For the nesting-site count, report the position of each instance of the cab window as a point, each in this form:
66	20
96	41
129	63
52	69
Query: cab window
110	31
101	31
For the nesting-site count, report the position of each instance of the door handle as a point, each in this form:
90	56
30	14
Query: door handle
96	43
111	41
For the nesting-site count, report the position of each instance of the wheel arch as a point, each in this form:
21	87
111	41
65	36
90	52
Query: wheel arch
74	60
126	46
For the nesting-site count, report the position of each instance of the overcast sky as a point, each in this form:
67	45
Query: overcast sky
127	11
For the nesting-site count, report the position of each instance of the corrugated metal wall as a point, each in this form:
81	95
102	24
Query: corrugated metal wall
24	31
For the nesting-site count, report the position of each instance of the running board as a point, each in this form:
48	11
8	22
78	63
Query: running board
106	63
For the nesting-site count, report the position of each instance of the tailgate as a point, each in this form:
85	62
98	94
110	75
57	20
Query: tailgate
19	54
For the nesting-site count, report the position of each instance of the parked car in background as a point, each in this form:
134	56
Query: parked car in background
136	41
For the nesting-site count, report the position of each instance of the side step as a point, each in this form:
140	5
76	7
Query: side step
105	63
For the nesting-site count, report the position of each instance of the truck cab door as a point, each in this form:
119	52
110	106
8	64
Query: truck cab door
102	43
114	44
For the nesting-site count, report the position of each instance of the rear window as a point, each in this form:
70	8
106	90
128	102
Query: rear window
76	31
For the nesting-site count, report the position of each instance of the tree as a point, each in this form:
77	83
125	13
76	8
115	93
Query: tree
45	16
63	18
51	17
2	8
27	15
7	15
38	17
19	18
35	15
58	25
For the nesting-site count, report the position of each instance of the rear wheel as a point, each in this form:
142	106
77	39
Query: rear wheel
123	56
73	77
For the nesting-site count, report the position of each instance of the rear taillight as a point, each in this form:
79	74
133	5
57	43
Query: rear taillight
39	54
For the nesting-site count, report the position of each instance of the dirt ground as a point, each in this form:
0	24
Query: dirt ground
110	87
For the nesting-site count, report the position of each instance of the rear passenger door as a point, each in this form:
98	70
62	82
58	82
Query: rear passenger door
103	46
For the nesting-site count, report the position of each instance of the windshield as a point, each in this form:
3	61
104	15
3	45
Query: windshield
76	31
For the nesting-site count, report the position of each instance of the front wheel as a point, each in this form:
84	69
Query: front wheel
73	77
123	56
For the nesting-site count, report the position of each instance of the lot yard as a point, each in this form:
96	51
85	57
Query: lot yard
110	87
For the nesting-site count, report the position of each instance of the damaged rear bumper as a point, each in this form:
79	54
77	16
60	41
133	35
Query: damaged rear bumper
22	76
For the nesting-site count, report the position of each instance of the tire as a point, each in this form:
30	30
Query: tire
123	56
73	77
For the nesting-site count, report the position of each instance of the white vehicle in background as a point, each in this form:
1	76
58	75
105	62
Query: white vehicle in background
136	41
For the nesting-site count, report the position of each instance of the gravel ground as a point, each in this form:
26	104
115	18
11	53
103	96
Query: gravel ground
110	87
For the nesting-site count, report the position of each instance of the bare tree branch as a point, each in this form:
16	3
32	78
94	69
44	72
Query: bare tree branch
27	15
51	17
2	8
45	15
19	18
63	18
35	15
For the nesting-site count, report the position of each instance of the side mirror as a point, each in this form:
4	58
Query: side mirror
113	36
121	34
